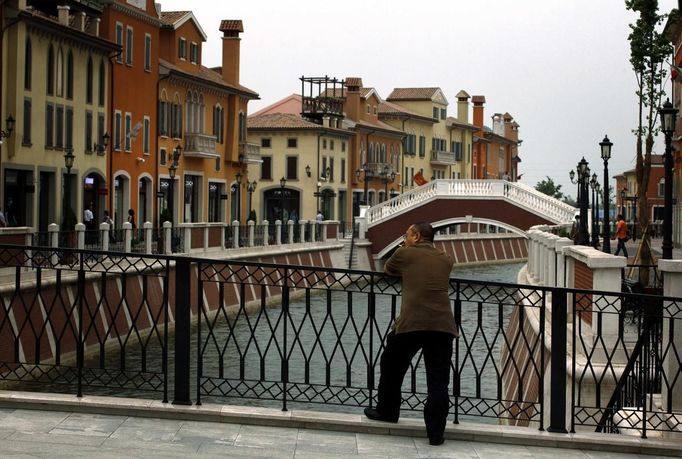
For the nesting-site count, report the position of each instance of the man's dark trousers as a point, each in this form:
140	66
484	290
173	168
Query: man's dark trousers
437	352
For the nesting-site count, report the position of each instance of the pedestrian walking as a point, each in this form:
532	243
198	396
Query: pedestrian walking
426	322
621	235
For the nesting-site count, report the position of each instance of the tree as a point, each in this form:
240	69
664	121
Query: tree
649	49
549	188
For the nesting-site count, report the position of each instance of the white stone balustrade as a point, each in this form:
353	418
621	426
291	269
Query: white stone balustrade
672	317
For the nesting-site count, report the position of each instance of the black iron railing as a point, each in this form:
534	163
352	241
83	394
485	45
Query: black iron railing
87	320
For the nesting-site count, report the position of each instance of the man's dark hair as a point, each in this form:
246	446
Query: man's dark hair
425	229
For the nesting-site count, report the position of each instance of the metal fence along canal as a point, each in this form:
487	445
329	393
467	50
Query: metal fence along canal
78	320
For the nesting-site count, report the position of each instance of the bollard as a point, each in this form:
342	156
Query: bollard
266	233
167	235
278	232
235	234
290	224
251	224
104	228
147	237
127	236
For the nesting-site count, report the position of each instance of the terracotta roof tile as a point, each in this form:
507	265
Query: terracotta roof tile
209	75
171	17
478	99
388	108
231	25
353	81
341	93
412	94
280	121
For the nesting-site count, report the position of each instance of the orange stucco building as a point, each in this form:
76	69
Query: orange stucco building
202	125
495	149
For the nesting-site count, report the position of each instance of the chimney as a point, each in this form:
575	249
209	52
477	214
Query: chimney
231	28
498	124
507	125
463	106
80	21
353	85
92	26
63	14
478	102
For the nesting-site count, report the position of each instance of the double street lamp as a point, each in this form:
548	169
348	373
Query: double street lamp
238	205
583	178
250	188
596	188
172	170
606	145
668	115
367	174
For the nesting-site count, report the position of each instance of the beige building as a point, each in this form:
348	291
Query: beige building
437	145
311	158
55	72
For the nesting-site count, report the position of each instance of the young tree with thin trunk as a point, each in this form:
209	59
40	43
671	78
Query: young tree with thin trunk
649	49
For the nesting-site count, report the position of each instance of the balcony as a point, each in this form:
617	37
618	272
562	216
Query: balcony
249	153
443	158
200	146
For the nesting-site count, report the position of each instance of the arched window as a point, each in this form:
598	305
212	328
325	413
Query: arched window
242	127
69	75
50	71
200	115
190	112
218	120
60	73
370	153
101	89
28	65
88	82
383	153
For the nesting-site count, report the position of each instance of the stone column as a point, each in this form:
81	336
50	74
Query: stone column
127	236
672	287
302	224
251	232
235	234
278	232
313	226
167	238
323	232
266	233
104	229
222	236
148	228
290	224
53	231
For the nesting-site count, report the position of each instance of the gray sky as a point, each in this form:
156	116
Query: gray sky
561	68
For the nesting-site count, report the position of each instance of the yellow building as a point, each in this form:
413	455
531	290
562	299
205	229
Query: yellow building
55	83
311	158
437	145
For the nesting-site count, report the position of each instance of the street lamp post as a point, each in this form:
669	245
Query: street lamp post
250	188
668	115
282	185
238	179
622	202
68	163
606	145
583	173
366	175
172	170
387	177
594	186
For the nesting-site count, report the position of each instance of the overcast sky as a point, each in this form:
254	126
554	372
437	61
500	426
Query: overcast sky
560	68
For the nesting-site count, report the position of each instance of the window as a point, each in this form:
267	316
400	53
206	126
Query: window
50	71
145	135
343	171
88	131
292	143
117	131
435	113
374	109
661	187
194	53
331	170
129	46
292	168
162	156
405	177
28	65
242	127
218	123
265	143
128	129
26	139
343	146
101	89
443	113
59	128
368	109
69	76
176	121
192	198
182	48
147	52
60	73
412	176
88	82
69	127
49	126
100	132
324	144
331	145
266	168
422	146
214	203
119	40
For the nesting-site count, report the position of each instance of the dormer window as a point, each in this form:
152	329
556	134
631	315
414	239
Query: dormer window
194	53
182	48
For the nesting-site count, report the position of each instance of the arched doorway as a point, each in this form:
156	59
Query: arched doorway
121	199
276	199
144	201
93	197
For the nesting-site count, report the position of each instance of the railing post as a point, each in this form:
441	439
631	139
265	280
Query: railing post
222	236
323	232
313	228
187	238
278	232
167	237
127	236
104	229
290	224
266	233
80	236
182	332
235	234
53	231
672	333
147	228
302	224
251	224
205	234
558	364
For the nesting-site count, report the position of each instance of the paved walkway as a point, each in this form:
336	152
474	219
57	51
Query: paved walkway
43	425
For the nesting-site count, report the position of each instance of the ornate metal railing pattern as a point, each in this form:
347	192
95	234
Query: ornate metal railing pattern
518	193
82	320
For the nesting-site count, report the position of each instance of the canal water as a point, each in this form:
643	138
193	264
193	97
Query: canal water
315	358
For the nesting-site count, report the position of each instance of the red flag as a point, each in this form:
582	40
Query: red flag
419	179
675	71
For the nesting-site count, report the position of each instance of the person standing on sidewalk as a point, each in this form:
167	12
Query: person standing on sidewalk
621	235
426	322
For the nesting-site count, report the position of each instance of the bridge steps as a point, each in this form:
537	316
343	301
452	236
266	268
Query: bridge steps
350	264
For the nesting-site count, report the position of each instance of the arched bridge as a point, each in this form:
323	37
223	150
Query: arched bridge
510	205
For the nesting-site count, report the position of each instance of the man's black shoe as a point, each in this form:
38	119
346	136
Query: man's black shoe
436	441
374	415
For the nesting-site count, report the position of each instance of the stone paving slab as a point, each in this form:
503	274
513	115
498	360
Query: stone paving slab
163	430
